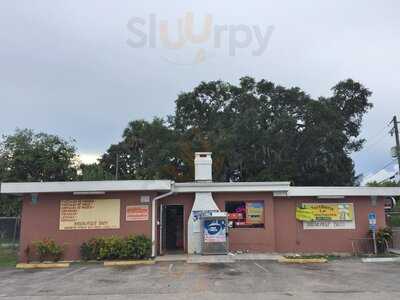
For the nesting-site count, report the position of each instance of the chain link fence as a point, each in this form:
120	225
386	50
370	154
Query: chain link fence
396	238
9	230
393	221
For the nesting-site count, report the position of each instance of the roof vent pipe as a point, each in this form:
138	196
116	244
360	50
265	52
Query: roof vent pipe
203	166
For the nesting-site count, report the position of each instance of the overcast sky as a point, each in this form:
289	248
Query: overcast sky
84	69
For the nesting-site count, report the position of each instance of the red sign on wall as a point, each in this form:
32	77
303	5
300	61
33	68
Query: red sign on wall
137	213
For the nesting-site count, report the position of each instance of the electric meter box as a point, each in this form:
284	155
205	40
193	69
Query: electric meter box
214	234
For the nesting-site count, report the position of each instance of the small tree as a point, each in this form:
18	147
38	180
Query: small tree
29	156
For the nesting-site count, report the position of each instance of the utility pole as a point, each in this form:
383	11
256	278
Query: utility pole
116	166
395	130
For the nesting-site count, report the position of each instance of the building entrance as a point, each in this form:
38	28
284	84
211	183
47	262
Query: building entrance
173	229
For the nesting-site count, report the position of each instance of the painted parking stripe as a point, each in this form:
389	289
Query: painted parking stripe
57	279
171	266
262	268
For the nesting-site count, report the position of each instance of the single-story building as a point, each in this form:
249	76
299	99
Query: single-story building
260	216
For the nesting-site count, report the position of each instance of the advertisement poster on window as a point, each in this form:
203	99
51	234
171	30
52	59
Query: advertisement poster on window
89	214
254	213
214	231
137	213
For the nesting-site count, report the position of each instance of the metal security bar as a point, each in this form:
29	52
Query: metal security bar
362	246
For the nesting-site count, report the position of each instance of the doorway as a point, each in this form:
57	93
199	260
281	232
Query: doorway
173	229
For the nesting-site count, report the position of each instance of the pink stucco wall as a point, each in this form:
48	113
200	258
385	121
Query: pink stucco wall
41	220
291	237
253	239
282	233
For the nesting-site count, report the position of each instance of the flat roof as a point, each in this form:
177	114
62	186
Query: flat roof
279	188
85	186
342	191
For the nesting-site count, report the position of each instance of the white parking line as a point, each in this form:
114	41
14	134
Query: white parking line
261	267
56	279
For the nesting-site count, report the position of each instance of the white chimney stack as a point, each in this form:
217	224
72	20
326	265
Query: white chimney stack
203	166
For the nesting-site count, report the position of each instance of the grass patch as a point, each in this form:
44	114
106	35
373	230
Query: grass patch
8	257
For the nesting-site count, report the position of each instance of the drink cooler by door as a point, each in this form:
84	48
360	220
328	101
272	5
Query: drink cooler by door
214	247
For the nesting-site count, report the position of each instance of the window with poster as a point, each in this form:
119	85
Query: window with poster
243	214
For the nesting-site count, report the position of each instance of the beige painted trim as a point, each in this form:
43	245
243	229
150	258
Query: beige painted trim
302	260
43	266
128	263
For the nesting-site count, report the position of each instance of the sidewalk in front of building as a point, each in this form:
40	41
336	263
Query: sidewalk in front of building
230	258
394	251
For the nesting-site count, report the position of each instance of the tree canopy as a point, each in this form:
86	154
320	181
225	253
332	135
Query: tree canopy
27	156
257	131
30	156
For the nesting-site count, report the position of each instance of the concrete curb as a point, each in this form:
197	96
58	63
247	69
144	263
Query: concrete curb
380	259
128	263
42	266
256	257
303	260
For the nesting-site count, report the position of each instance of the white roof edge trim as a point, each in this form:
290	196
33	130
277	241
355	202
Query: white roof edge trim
233	184
343	191
280	188
193	187
85	186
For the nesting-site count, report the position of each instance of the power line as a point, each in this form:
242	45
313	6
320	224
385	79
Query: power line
372	142
376	173
379	133
390	178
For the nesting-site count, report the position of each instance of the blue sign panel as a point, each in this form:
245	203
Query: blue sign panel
372	221
214	231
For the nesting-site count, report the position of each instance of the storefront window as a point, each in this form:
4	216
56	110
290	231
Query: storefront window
245	214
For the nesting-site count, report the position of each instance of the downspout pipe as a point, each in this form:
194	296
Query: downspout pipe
154	217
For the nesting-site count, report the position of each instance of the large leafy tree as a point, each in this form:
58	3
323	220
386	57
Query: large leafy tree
30	156
257	131
146	152
27	156
260	131
92	172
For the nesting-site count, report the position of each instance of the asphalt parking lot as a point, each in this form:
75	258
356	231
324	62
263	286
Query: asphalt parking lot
347	278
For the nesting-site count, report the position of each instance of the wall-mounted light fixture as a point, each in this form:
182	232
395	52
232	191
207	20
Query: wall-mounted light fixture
374	200
34	198
144	199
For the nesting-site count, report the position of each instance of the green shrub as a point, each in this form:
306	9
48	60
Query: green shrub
48	249
91	249
141	247
384	237
111	248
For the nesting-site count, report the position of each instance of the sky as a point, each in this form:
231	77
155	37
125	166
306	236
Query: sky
84	69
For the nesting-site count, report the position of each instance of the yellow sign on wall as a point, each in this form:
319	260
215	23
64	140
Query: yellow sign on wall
304	214
90	214
254	213
325	212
